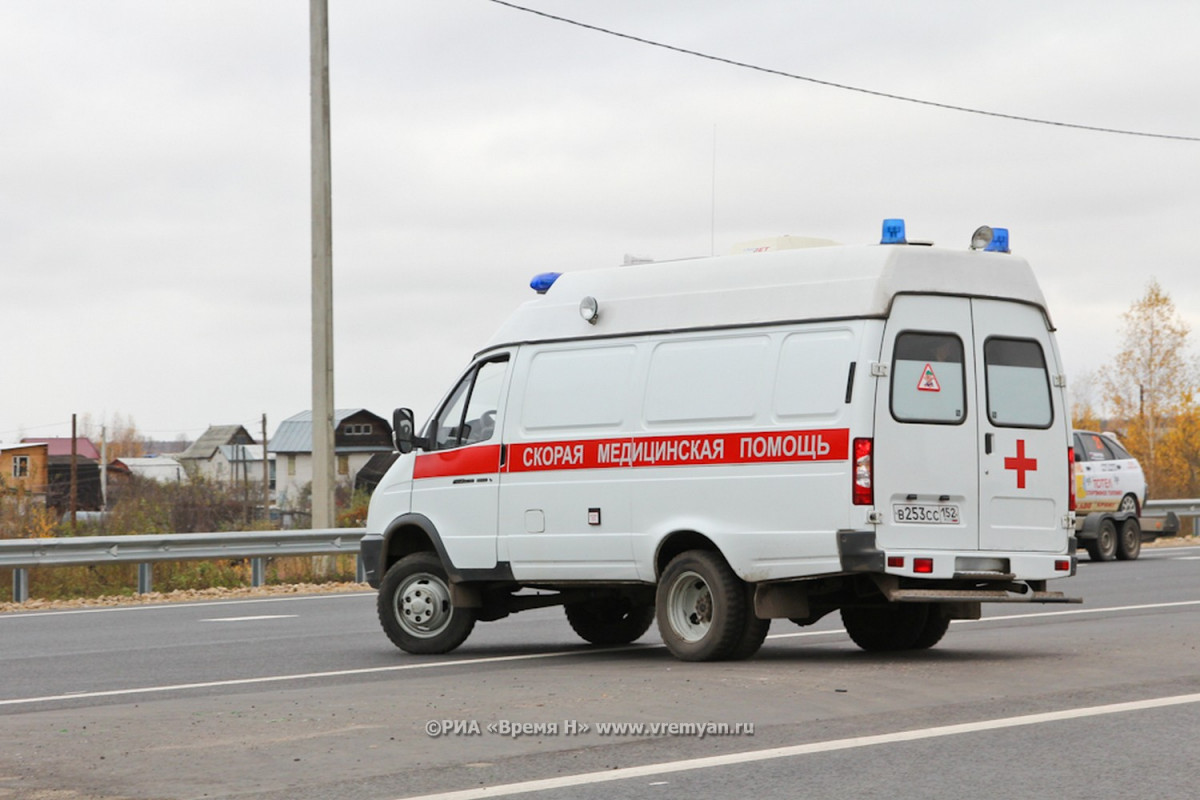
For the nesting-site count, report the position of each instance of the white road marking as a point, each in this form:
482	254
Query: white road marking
501	659
732	759
250	619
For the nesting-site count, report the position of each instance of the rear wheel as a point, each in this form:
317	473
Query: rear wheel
1129	543
701	607
1104	546
1129	503
415	608
935	628
610	620
891	626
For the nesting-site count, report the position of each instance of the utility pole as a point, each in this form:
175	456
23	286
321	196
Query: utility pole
104	468
322	270
266	483
74	475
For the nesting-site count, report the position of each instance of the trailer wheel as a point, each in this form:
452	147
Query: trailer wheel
415	608
1129	544
888	627
610	620
1104	546
701	607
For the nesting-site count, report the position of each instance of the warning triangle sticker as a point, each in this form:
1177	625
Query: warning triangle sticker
929	381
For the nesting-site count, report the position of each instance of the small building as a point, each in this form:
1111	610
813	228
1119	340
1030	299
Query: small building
155	468
358	435
58	473
24	471
226	454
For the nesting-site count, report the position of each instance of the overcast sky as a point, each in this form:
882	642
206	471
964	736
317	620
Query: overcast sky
154	174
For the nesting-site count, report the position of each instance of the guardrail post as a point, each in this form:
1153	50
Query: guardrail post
360	570
20	585
258	572
145	578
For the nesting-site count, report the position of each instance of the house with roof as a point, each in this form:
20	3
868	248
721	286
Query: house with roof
58	460
358	434
24	471
226	454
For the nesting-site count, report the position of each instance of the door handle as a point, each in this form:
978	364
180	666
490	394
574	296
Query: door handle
987	444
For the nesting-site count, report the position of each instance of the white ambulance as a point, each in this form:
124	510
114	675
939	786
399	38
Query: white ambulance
716	443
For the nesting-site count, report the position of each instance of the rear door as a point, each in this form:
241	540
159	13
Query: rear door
926	450
970	444
1024	469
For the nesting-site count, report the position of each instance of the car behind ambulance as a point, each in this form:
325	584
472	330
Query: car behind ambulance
715	443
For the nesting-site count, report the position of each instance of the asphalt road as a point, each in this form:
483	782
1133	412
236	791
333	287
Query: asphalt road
304	698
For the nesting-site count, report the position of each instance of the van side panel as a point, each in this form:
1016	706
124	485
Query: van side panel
562	515
779	396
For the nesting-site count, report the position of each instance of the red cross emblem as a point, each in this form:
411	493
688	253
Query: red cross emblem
1021	464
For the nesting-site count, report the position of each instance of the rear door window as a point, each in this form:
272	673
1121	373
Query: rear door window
1018	386
929	379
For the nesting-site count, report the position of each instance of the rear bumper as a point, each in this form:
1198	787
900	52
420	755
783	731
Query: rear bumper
956	576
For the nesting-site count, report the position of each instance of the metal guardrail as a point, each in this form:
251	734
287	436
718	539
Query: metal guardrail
144	550
22	554
1183	508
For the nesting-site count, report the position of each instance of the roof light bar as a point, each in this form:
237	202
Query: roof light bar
999	243
990	240
893	232
542	283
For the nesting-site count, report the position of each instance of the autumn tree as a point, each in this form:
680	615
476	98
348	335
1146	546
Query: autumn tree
1084	415
1148	387
120	433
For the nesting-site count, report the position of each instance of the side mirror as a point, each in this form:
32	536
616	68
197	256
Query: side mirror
402	430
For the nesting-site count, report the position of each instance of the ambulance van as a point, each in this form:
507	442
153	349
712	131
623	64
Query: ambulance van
715	443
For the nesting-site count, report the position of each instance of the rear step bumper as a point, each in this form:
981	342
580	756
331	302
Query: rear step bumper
974	596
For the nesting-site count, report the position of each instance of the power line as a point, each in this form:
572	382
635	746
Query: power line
842	86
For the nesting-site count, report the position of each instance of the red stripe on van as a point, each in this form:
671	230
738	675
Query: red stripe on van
476	460
686	450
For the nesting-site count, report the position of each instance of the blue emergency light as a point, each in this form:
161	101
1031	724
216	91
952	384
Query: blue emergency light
999	242
542	283
893	232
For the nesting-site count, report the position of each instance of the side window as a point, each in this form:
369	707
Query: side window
469	414
1018	386
1093	447
929	379
1116	451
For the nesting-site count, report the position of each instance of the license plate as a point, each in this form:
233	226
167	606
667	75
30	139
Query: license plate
925	514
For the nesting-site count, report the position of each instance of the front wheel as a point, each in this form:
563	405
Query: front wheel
702	611
415	608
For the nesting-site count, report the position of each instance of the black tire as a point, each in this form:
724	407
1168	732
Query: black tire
701	608
887	627
1104	546
1129	543
613	620
754	631
1128	503
415	609
935	628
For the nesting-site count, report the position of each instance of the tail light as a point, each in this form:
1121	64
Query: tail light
864	472
1071	478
